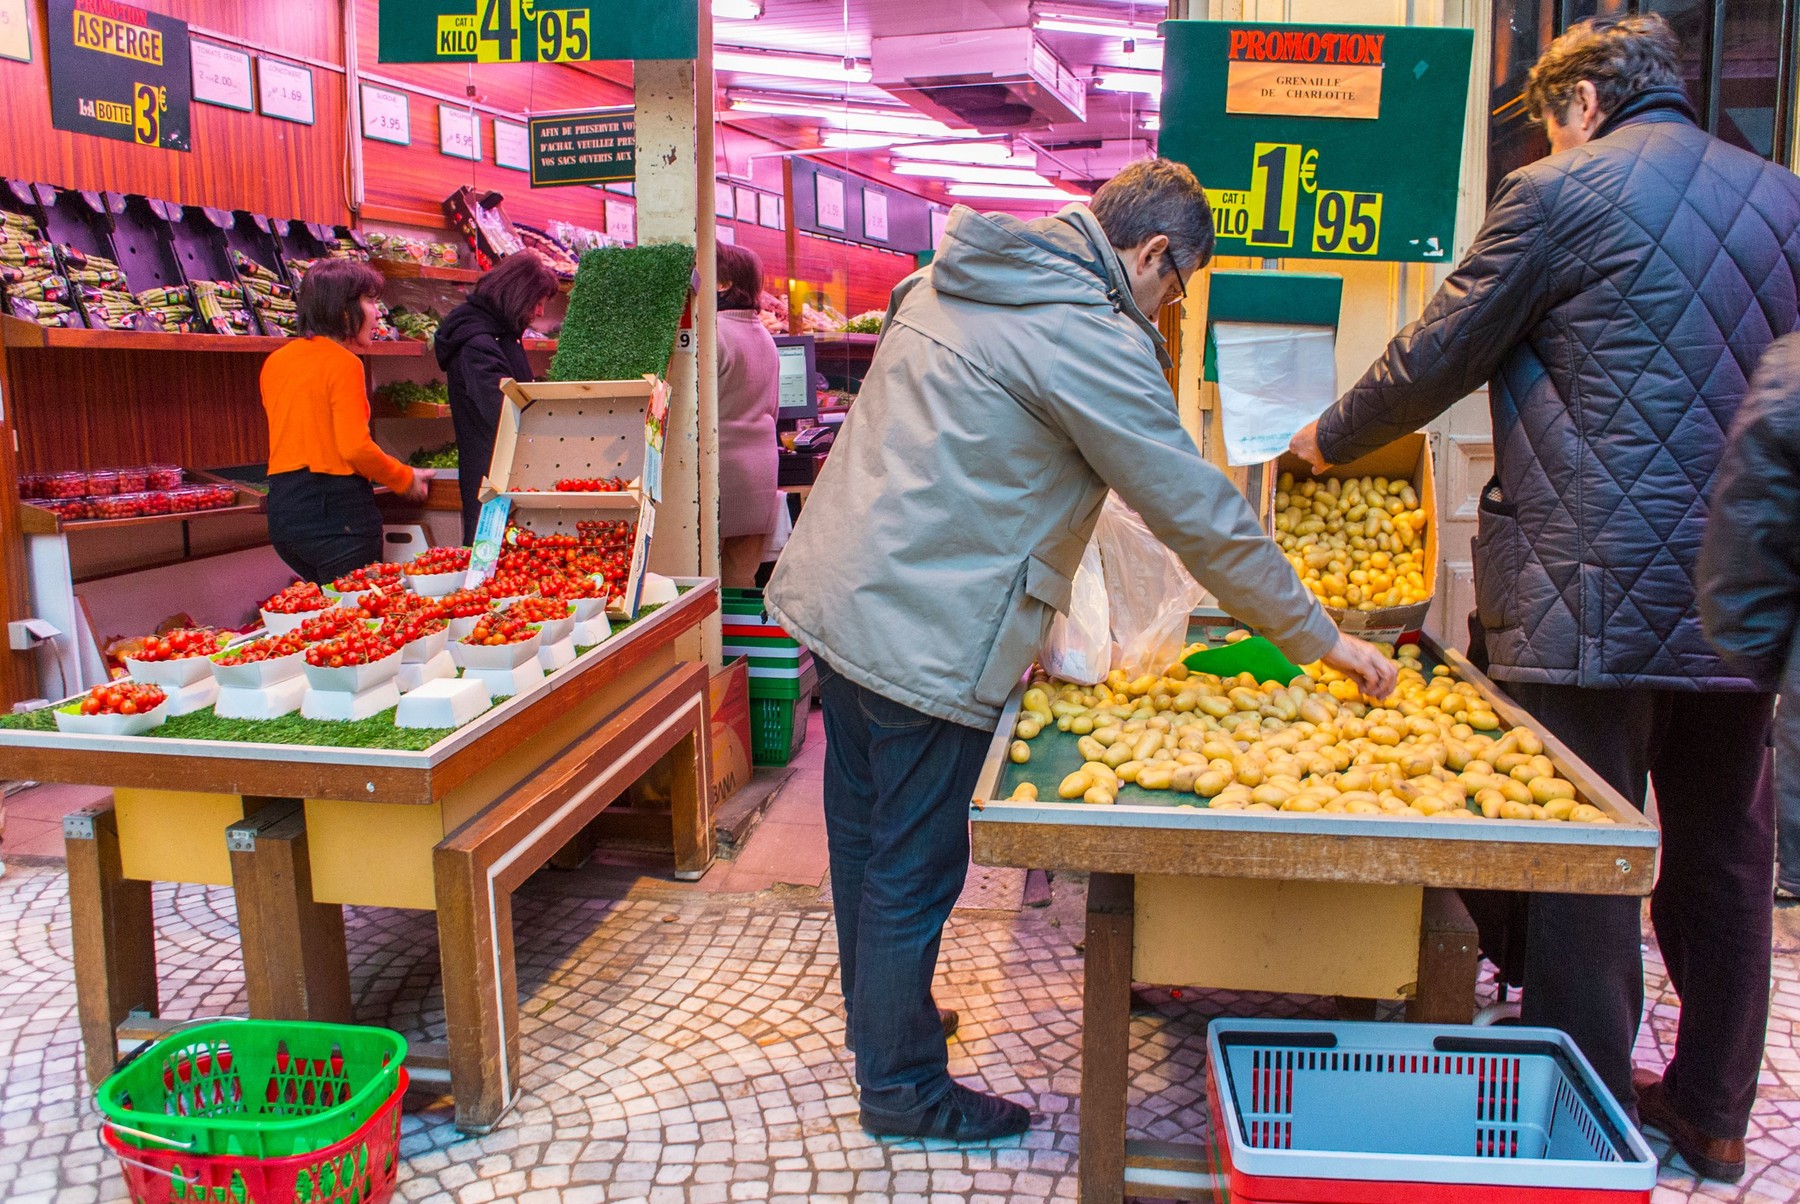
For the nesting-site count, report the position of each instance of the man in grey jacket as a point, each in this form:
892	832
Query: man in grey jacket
1018	378
1616	299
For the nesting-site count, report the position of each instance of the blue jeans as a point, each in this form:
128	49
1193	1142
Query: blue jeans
897	791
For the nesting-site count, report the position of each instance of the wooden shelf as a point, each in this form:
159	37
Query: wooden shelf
416	409
17	332
401	269
847	342
36	521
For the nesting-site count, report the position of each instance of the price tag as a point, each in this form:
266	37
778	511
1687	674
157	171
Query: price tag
457	136
285	90
385	116
830	193
222	77
684	341
1265	215
768	210
1347	223
512	146
875	215
15	31
621	222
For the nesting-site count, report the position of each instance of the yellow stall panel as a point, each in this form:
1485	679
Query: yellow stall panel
175	836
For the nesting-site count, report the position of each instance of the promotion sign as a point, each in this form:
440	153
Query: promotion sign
118	71
595	147
537	31
1320	141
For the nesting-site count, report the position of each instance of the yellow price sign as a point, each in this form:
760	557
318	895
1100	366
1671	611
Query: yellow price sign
500	30
147	104
562	35
1347	223
1274	194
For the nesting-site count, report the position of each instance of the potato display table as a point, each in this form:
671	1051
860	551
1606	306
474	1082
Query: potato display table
1309	904
300	831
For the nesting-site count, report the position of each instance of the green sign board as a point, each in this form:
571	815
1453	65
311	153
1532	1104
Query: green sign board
595	147
118	71
537	31
1320	141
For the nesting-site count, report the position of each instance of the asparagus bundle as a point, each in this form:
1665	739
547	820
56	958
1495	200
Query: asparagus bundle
222	308
172	306
113	309
44	313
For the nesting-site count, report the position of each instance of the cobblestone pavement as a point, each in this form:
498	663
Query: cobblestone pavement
685	1047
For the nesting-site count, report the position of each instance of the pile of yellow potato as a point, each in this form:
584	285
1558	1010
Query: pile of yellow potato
1358	544
1434	749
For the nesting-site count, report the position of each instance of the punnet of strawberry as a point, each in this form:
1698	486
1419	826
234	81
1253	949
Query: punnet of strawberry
358	648
299	598
498	629
122	698
437	560
267	649
179	644
330	624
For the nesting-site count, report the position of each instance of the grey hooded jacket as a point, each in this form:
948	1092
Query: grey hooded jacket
1014	383
1617	298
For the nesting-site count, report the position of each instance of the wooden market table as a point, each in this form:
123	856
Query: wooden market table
300	831
1316	904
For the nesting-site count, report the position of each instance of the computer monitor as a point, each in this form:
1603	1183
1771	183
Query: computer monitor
799	394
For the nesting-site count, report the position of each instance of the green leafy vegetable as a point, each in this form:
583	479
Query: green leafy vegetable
623	312
435	457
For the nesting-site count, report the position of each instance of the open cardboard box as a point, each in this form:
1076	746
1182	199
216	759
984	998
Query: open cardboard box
550	430
1409	458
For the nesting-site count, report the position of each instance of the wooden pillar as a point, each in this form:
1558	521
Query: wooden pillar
296	965
18	671
1449	957
113	934
1106	1037
674	191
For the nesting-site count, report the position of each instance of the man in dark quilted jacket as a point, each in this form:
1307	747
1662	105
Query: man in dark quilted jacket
1615	302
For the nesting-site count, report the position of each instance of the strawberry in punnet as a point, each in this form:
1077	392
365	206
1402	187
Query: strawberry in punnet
432	561
271	648
122	698
300	598
179	644
498	629
363	647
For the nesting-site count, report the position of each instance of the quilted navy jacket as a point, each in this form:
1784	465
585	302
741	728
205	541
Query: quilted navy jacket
1750	566
1616	300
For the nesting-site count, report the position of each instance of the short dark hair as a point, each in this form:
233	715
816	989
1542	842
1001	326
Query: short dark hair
514	289
329	292
1621	57
1157	196
740	271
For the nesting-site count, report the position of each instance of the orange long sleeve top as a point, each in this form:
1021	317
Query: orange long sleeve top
312	391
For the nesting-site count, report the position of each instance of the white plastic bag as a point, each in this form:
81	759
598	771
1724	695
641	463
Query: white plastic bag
1079	646
1149	593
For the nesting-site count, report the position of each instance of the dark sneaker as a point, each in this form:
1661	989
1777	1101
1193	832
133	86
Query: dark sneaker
962	1115
948	1020
1720	1158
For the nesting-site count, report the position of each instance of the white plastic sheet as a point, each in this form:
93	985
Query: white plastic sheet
1149	592
1079	646
1273	380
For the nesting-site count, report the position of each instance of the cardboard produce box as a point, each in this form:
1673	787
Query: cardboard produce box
555	430
1407	458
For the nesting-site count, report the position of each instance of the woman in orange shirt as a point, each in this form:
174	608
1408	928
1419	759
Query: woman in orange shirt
323	464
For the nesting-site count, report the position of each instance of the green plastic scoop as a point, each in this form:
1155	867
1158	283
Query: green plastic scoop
1256	656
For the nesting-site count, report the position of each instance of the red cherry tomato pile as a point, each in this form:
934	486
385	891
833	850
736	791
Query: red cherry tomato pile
371	576
302	597
401	602
592	485
330	624
466	603
363	647
511	583
122	698
437	560
538	610
179	644
495	630
571	587
271	648
399	630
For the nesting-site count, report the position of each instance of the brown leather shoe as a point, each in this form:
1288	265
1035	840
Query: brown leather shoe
948	1020
1718	1158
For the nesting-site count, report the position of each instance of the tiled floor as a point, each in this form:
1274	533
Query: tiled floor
683	1043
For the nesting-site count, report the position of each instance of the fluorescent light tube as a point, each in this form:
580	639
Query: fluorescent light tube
970	174
791	66
1054	196
996	154
737	10
1128	81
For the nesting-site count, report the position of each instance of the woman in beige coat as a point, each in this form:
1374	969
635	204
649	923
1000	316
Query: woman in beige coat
749	399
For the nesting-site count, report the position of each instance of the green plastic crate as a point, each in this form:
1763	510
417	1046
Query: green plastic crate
253	1088
777	729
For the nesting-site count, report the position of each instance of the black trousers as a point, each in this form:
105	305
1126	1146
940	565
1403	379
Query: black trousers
323	526
1706	755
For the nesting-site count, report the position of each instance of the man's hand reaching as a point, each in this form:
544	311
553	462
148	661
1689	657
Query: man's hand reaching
1363	664
1305	444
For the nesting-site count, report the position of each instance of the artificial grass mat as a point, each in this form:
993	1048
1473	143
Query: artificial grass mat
623	312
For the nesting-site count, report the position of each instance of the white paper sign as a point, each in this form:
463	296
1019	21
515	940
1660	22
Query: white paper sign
768	210
456	133
875	215
727	234
722	196
285	90
745	204
621	222
830	191
384	116
221	76
1273	380
512	146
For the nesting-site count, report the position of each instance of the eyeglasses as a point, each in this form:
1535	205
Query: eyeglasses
1180	284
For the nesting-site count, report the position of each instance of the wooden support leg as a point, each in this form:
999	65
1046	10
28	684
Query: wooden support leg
296	966
113	935
1449	950
691	803
1106	1031
481	994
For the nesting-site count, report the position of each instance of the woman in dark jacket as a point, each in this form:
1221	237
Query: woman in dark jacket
1750	571
477	346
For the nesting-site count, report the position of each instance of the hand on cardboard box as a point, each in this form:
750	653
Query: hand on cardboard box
1305	444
